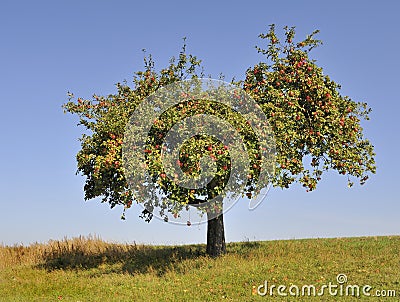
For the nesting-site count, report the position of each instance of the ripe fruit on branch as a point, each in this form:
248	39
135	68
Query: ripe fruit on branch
128	204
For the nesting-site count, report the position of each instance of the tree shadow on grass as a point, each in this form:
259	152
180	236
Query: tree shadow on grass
85	253
117	258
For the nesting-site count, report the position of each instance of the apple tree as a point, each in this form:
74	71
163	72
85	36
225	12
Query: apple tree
314	127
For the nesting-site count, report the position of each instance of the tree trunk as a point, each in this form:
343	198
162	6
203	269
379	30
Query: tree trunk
215	236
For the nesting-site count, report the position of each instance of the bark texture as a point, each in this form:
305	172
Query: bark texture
216	236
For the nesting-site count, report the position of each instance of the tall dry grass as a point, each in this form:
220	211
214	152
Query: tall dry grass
92	251
70	252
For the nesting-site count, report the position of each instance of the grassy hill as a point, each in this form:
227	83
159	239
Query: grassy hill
89	269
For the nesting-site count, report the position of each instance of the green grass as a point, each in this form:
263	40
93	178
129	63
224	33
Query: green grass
89	269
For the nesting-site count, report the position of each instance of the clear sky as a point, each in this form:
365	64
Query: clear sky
50	47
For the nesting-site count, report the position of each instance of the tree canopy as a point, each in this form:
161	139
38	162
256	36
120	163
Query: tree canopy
315	128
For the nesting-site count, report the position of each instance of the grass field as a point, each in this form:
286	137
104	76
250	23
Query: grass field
89	269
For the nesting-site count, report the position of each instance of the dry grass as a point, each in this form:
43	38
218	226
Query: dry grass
90	252
77	250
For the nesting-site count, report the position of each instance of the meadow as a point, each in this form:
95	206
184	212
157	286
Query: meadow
90	269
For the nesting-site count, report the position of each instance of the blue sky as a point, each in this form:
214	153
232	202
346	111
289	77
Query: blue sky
49	48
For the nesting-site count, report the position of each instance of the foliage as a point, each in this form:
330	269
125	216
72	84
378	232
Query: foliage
315	127
213	143
105	118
